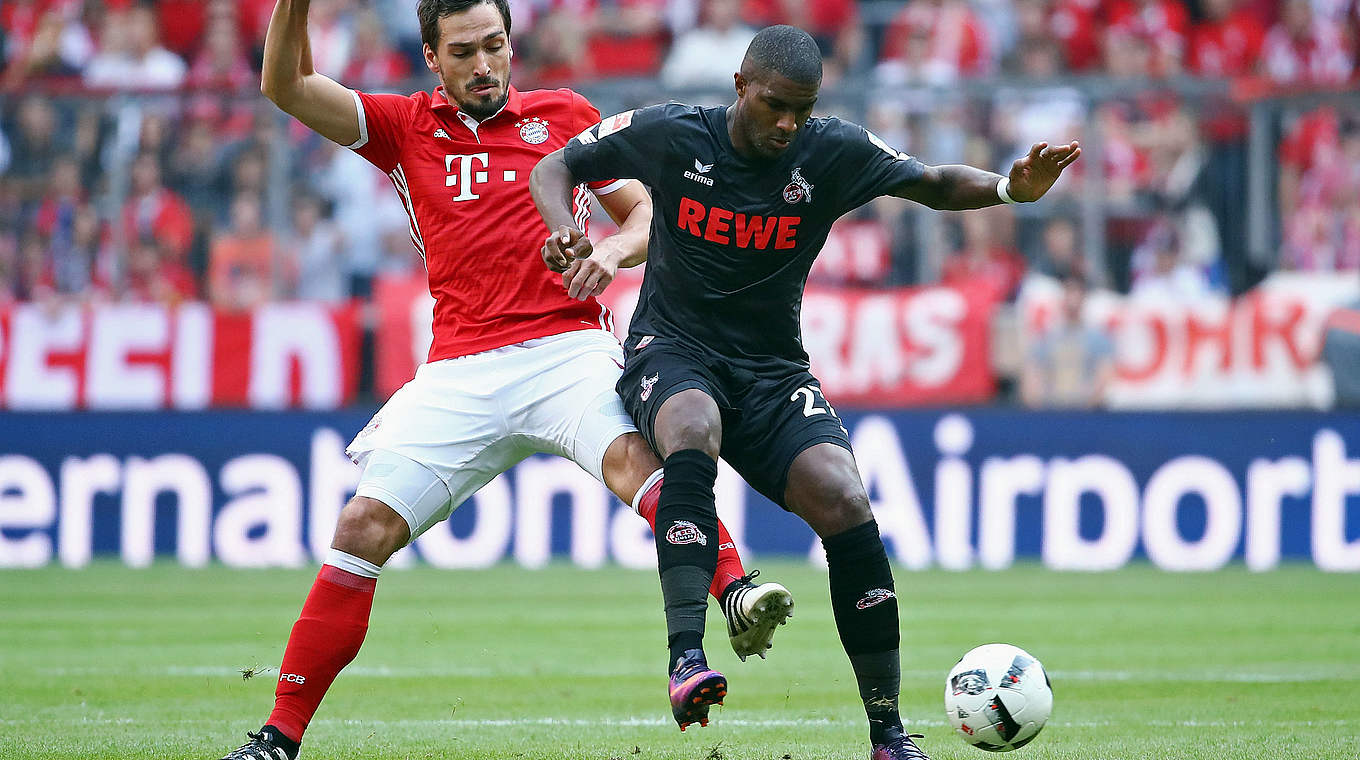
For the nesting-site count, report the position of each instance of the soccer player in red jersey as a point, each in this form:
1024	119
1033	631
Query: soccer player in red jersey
519	365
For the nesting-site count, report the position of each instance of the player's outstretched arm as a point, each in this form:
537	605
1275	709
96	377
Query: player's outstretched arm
955	187
288	79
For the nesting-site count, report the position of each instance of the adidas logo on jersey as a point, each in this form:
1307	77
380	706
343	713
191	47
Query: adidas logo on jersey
700	169
441	133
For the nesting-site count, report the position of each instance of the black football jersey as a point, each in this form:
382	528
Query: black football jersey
732	238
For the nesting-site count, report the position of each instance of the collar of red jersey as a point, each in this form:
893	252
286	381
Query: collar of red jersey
514	105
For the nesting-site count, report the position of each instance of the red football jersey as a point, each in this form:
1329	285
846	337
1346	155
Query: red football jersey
465	186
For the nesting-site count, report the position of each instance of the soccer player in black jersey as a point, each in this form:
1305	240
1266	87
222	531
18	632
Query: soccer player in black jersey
744	196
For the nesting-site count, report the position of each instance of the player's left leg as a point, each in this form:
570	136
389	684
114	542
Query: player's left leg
824	488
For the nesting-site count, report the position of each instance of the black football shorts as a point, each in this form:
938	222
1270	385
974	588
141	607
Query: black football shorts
770	413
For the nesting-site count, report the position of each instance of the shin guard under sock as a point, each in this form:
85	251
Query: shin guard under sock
686	531
326	637
864	601
729	567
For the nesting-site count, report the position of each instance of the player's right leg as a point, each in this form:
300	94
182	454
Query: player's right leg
433	444
334	619
753	611
569	398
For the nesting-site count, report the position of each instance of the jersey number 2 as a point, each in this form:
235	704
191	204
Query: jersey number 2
809	394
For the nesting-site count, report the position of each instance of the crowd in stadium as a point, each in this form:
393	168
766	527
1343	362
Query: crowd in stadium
168	197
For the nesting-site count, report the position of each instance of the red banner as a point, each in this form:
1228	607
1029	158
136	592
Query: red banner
147	356
897	347
1258	350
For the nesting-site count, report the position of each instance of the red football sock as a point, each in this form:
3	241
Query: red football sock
729	561
326	637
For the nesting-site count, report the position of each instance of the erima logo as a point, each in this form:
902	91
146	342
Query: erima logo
647	384
698	174
441	133
873	597
685	532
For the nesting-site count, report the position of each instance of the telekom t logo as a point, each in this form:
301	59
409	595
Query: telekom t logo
466	175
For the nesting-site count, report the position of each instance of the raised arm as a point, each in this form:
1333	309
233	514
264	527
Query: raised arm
288	79
954	187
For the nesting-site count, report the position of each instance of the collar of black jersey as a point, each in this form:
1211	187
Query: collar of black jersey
514	104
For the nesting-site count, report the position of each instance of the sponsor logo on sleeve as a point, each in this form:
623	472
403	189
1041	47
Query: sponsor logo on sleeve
615	123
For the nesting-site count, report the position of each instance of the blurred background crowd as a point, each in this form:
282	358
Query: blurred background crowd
1222	137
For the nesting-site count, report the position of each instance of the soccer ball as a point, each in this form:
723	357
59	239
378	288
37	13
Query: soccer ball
998	697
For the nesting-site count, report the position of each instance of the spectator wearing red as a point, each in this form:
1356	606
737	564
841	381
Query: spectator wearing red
833	23
1163	26
221	65
1302	49
241	271
154	211
1227	43
946	33
987	257
628	37
182	24
1076	24
155	276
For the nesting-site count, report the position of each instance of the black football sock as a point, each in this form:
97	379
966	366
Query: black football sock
686	546
864	602
278	739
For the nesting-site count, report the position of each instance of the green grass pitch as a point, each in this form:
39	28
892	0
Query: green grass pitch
110	662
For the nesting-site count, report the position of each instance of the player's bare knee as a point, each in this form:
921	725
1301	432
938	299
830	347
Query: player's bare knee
845	508
689	420
370	530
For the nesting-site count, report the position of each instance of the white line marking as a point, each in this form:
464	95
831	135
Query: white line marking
1313	675
718	720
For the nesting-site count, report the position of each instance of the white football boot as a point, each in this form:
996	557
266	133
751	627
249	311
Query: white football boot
753	612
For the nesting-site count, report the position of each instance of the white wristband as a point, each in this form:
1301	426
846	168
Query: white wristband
1001	190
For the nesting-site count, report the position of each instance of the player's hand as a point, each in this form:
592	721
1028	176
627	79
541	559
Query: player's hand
1032	175
565	246
587	277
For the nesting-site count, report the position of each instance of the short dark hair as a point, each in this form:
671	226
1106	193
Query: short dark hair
430	11
787	51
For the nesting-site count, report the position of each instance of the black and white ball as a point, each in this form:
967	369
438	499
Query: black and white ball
998	697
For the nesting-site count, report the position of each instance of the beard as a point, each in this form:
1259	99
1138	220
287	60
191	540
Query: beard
477	106
483	108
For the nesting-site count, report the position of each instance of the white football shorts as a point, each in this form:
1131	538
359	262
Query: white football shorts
461	422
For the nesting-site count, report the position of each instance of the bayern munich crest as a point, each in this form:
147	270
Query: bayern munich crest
798	189
533	131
